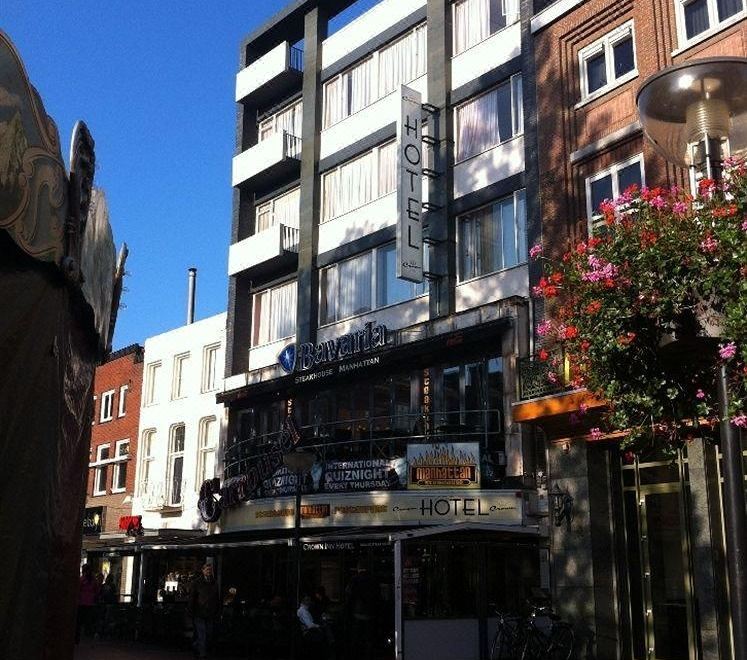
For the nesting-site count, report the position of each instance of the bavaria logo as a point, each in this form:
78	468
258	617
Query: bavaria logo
287	358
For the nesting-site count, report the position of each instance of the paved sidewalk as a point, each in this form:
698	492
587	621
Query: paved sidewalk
106	650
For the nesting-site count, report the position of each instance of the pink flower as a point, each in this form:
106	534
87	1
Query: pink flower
700	394
544	328
582	408
552	376
727	351
709	244
740	420
658	202
680	208
744	225
596	433
535	251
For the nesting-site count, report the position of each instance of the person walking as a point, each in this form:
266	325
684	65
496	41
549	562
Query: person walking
204	605
88	596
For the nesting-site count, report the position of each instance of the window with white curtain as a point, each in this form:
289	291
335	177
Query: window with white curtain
176	465
489	119
359	181
284	209
210	368
363	283
288	119
476	20
401	61
274	314
698	17
207	443
493	237
146	450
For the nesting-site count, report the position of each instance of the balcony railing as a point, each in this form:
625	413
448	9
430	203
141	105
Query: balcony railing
276	156
160	495
538	378
383	437
271	76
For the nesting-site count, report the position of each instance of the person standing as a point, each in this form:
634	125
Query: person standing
88	596
204	604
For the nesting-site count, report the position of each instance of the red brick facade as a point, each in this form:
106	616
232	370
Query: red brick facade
123	370
566	124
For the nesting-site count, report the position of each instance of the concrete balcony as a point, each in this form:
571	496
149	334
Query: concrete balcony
276	157
263	250
269	76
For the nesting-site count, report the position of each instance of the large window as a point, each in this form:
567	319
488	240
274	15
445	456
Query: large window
284	209
146	450
208	441
101	476
611	183
107	406
697	17
608	62
121	454
493	237
274	315
476	20
362	283
378	75
287	120
152	383
359	181
210	368
180	376
489	119
176	466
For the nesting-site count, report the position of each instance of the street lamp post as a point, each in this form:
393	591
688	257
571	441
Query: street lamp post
695	115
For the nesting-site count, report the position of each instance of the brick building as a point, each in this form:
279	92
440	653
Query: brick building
111	475
640	573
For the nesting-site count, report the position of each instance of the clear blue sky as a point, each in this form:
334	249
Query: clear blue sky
154	81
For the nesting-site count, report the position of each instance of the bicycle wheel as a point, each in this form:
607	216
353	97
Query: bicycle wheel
505	641
561	642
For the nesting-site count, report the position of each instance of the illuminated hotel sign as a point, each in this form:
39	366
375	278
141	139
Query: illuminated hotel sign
409	187
452	465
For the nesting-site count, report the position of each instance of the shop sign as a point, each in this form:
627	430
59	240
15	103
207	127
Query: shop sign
307	356
448	465
410	187
316	546
93	520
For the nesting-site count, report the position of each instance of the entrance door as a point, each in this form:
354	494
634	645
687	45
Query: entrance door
666	580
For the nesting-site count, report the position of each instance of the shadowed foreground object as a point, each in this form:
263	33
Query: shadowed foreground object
59	292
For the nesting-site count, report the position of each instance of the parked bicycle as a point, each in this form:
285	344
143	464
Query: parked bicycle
540	636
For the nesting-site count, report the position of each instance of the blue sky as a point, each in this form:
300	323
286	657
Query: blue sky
154	81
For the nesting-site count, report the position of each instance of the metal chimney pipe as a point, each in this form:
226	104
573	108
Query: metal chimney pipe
191	296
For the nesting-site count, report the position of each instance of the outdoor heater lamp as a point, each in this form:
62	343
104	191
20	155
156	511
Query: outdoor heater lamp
695	115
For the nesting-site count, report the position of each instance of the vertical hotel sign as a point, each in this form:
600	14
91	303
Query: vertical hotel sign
409	187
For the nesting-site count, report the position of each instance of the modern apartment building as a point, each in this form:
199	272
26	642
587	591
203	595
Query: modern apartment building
401	390
111	475
641	569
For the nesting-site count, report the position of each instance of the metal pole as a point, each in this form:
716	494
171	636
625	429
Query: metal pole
297	559
398	600
735	520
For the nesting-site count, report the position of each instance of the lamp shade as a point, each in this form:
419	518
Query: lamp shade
686	103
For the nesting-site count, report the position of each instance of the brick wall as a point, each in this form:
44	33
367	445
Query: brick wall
125	367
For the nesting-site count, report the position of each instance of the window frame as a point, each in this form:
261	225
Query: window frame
272	118
593	216
203	448
120	460
255	297
374	252
714	24
208	384
271	203
152	370
122	402
509	22
101	466
521	262
147	458
178	376
171	458
106	411
606	45
515	83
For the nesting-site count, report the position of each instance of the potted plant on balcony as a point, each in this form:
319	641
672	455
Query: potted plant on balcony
662	265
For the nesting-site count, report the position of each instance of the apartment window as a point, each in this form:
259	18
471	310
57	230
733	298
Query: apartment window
210	367
121	455
180	376
608	62
146	449
101	475
206	450
123	400
107	406
152	383
611	183
274	314
489	119
698	16
284	209
401	61
176	465
363	283
359	181
476	20
287	120
492	238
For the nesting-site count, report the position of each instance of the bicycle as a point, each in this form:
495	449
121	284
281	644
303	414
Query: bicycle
547	637
509	640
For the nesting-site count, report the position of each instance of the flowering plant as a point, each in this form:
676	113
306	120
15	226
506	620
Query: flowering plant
659	259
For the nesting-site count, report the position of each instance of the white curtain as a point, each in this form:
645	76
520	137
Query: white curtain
287	208
263	218
289	120
484	122
354	279
511	11
329	294
333	100
360	82
283	317
387	168
261	323
331	195
402	61
471	23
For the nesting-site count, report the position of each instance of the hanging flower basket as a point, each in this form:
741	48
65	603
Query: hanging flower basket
644	309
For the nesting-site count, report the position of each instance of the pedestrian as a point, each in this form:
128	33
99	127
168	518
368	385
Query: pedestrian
204	605
88	595
312	635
